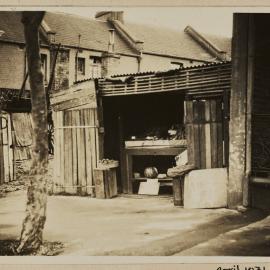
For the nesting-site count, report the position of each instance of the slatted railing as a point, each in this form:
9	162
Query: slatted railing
211	78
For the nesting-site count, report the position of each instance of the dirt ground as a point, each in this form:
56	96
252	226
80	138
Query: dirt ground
137	225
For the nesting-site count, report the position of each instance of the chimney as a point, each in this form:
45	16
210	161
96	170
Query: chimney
110	15
111	41
48	32
51	36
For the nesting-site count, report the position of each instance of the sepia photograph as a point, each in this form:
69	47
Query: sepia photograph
134	131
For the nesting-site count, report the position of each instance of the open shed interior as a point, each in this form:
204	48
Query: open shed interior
143	119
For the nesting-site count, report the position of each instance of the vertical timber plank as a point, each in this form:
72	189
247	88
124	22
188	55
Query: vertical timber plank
13	146
202	140
79	150
62	153
100	123
196	134
10	149
74	151
88	158
213	128
207	135
67	154
2	173
129	173
99	182
5	124
219	135
82	153
92	139
189	131
56	162
97	141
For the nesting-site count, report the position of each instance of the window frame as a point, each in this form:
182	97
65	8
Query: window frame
81	65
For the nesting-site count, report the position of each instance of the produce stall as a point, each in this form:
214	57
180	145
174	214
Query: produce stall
144	138
151	118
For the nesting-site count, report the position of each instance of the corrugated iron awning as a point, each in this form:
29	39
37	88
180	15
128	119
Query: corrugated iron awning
209	78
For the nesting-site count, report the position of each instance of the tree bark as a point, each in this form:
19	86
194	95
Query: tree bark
34	221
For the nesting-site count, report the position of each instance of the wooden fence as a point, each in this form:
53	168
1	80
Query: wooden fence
6	151
16	132
211	78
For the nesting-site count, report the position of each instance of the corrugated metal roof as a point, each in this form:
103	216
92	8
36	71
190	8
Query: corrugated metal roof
178	69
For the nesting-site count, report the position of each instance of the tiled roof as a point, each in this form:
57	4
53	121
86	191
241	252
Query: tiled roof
94	35
223	43
165	41
10	23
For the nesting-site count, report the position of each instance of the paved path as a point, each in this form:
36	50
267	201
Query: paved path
123	225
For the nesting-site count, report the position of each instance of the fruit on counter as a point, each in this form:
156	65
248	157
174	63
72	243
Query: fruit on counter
162	176
107	161
150	172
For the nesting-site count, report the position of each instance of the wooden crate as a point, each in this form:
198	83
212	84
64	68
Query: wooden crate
105	182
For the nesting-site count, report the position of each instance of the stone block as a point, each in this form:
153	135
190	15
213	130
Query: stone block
206	188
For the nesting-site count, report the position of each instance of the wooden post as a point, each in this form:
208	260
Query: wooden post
178	184
250	87
122	155
237	144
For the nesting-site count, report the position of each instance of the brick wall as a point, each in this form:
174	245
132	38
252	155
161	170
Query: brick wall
61	79
110	63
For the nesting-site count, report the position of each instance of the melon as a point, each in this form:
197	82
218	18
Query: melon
151	172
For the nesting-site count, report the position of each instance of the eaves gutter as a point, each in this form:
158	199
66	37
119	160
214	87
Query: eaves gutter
13	42
95	50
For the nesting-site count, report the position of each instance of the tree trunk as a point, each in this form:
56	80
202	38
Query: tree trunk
33	224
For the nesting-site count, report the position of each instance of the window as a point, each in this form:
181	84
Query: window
95	66
44	66
81	65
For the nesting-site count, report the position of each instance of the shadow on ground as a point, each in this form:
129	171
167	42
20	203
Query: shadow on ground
7	248
202	233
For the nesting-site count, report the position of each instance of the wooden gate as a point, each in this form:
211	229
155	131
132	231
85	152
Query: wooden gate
76	136
6	150
204	128
76	151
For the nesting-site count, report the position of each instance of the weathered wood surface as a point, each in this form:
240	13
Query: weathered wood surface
7	142
76	96
105	182
204	129
76	156
178	191
2	166
237	130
